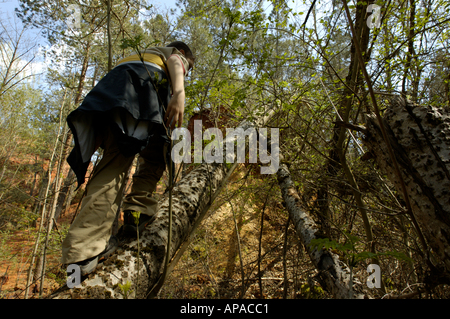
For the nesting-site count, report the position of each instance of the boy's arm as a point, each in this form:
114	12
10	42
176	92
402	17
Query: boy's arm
175	108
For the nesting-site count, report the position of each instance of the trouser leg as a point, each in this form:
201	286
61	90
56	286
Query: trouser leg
89	233
150	170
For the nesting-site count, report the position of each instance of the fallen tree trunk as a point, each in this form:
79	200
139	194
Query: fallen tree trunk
334	275
191	198
420	137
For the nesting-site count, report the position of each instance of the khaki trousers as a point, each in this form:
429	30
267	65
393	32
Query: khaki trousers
90	232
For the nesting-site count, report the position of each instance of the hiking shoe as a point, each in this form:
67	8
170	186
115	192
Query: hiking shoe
89	265
129	226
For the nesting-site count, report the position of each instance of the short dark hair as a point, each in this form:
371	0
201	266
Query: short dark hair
183	46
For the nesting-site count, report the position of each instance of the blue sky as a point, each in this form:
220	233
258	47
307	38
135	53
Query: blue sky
9	5
8	20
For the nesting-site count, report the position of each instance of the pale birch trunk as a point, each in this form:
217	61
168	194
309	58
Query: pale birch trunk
420	137
334	275
191	199
192	194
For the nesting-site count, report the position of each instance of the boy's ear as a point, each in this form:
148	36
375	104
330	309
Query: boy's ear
182	52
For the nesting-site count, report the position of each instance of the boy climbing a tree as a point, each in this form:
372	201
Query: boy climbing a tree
131	110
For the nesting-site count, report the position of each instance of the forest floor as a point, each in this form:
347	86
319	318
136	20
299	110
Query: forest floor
217	264
198	274
16	248
242	249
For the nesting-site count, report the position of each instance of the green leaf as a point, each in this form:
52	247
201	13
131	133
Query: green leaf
124	289
136	216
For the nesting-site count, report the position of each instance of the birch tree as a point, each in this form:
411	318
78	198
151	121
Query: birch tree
188	203
419	135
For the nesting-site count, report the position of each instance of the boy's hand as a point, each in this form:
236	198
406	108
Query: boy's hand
175	111
175	108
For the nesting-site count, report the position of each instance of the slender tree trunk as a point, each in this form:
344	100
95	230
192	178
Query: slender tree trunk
51	213
37	272
35	178
70	191
412	67
64	192
405	237
44	204
447	87
335	276
237	248
233	245
69	137
337	159
41	225
108	28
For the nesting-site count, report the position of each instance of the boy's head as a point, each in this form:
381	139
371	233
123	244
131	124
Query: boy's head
185	50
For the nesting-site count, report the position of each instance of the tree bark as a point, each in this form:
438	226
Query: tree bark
191	198
337	154
420	138
334	274
64	192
